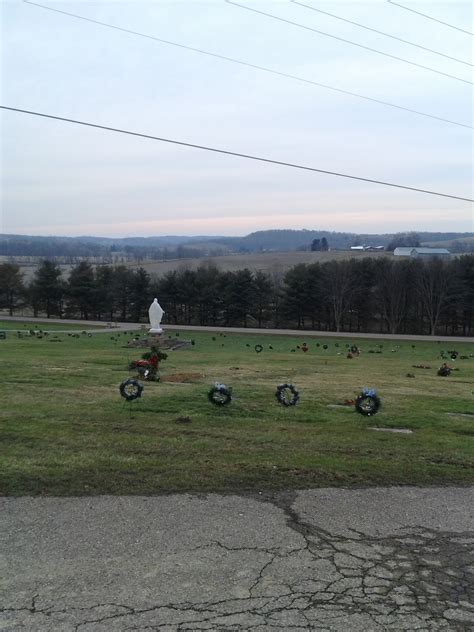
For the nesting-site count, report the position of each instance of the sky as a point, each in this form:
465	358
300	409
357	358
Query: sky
64	179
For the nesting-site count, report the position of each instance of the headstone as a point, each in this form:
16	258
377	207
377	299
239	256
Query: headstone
396	430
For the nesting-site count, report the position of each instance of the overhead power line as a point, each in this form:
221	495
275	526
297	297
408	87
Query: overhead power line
346	41
234	153
429	17
369	28
254	66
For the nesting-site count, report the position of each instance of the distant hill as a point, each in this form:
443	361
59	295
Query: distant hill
173	246
459	245
301	239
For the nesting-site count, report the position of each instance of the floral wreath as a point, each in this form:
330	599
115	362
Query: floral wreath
258	348
282	395
131	389
220	395
368	402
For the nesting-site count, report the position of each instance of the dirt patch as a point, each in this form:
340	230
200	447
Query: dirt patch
168	344
182	377
183	420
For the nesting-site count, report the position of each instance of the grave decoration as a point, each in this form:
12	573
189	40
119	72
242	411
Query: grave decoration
368	402
131	389
3	335
304	347
444	370
258	348
287	395
147	367
220	395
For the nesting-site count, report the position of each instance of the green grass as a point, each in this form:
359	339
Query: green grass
11	325
65	430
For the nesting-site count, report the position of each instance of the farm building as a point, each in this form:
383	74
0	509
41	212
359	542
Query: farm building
422	253
367	247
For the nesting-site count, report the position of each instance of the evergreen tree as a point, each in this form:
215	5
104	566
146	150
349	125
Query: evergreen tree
47	289
140	294
81	290
209	296
122	283
11	286
105	300
263	294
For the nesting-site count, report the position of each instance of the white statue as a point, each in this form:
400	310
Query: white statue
155	314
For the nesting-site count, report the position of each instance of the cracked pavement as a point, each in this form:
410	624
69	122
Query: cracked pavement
328	559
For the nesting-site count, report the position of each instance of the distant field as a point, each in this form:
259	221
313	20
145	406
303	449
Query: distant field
276	263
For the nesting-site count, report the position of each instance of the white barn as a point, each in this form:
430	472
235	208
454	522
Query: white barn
422	253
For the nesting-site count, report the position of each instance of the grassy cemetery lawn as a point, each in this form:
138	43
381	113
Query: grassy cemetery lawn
65	429
12	325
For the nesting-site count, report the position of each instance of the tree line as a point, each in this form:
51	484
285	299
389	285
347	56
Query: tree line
407	296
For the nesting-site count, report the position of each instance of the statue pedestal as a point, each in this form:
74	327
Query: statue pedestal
155	330
155	335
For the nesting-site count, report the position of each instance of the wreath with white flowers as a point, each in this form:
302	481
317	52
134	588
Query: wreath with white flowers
220	395
287	395
368	402
258	348
131	389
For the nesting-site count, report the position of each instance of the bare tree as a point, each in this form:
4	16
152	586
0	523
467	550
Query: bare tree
338	285
432	281
392	292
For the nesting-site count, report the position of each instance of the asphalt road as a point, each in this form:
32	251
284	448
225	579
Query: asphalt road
116	326
329	560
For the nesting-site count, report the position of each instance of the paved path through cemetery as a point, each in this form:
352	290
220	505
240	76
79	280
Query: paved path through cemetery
330	559
114	327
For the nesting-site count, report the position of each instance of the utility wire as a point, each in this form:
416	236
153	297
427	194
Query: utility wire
368	28
233	153
254	66
346	41
429	17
